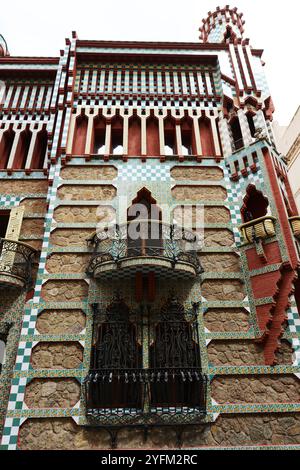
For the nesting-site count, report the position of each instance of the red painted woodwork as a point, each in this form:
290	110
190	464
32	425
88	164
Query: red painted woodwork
22	150
5	147
153	148
206	136
134	136
39	151
188	136
99	133
80	135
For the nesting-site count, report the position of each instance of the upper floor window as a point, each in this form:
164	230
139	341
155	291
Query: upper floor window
4	220
255	204
236	133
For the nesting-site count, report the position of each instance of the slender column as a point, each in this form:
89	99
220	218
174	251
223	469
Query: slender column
89	135
31	149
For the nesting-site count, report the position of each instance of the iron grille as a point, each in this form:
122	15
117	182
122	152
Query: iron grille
156	239
16	260
146	367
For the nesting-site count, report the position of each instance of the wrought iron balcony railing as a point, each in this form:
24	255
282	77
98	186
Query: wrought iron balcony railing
160	245
15	263
145	367
163	396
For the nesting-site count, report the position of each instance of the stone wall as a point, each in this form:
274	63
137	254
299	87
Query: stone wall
55	322
196	173
52	393
64	291
87	193
223	290
227	262
89	172
199	193
67	263
70	237
256	389
226	319
218	237
32	227
84	214
34	206
212	214
235	353
57	356
228	430
24	186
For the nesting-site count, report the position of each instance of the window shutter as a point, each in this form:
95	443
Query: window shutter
15	223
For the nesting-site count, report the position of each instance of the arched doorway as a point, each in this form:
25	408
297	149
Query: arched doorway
144	228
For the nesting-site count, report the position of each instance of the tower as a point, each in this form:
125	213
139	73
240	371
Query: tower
144	198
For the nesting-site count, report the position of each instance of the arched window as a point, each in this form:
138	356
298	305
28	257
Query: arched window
175	360
255	204
116	360
22	150
117	136
236	133
4	221
5	147
153	147
144	226
40	149
251	124
206	136
80	135
99	135
170	136
188	144
134	136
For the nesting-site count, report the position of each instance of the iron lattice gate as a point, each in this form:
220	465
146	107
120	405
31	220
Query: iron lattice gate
146	366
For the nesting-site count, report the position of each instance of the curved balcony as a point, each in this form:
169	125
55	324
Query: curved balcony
143	245
295	224
15	263
258	229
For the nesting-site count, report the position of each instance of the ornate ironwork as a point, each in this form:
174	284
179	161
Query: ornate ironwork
156	239
133	384
16	260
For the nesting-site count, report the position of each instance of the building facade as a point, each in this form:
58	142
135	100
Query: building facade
186	335
288	143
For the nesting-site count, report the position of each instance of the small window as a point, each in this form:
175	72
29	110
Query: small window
237	133
251	124
255	205
4	219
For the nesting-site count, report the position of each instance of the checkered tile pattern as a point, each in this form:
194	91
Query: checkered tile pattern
9	201
235	194
10	433
294	327
144	172
247	138
225	137
16	398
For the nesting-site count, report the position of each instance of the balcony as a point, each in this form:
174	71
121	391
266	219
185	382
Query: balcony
295	224
258	229
15	263
145	367
142	245
156	397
